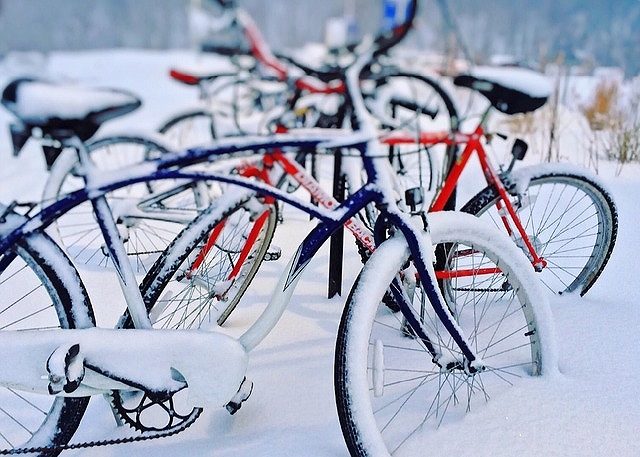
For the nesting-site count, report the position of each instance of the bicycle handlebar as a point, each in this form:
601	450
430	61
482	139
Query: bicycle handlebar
325	76
383	42
228	51
386	41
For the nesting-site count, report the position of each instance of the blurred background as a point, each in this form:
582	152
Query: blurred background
584	34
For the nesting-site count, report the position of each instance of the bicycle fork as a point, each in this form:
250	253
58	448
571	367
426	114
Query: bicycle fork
421	254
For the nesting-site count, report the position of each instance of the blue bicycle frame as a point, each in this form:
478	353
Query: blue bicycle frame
172	166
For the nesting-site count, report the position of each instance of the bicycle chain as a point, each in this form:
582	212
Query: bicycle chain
88	444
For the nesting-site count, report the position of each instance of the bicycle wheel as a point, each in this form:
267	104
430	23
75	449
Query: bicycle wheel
247	104
108	153
411	101
414	103
40	289
189	129
202	275
569	217
237	106
149	215
390	393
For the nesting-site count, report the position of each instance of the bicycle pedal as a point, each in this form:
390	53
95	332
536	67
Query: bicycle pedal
244	392
66	369
272	254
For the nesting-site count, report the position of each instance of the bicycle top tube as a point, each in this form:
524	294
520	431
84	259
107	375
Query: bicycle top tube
308	138
445	137
172	166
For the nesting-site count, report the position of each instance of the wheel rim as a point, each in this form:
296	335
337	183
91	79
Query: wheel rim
394	394
29	303
566	220
200	292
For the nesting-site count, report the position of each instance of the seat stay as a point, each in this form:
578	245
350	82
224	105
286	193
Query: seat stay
473	145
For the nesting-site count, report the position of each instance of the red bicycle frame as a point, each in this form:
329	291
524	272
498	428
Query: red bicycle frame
291	168
263	172
472	144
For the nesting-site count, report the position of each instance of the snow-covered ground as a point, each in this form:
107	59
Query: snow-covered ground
591	409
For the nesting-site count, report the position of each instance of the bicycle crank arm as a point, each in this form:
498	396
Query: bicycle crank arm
82	362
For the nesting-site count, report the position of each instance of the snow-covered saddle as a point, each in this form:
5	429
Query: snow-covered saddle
510	90
54	107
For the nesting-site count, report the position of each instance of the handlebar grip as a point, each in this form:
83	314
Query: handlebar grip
323	74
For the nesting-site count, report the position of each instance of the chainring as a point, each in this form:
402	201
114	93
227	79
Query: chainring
147	412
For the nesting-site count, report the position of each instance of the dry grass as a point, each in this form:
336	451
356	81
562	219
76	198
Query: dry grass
603	111
617	128
611	130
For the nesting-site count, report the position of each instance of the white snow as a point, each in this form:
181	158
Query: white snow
37	101
522	79
590	409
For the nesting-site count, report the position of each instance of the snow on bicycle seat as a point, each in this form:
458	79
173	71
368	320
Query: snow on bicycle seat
52	106
510	90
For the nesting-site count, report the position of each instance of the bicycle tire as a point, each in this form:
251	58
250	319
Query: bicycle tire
383	409
417	93
145	238
570	218
178	297
41	289
109	153
239	105
189	129
416	103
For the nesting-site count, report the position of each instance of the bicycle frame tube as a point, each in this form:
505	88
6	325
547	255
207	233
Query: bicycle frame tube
145	172
298	173
110	232
473	144
259	48
166	167
262	52
418	247
302	177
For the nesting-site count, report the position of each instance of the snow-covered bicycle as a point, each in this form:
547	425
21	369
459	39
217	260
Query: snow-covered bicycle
488	327
562	217
396	95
